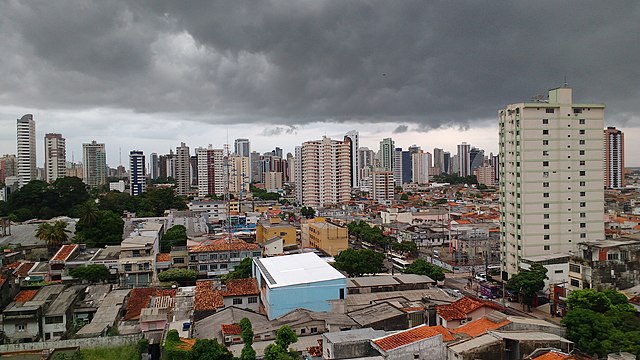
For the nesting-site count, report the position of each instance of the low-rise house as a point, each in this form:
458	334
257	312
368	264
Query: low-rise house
86	308
108	256
216	210
106	315
384	283
241	293
267	229
163	262
221	256
58	318
462	311
299	281
420	342
381	316
273	247
57	262
137	262
326	237
350	344
179	257
506	345
22	319
207	300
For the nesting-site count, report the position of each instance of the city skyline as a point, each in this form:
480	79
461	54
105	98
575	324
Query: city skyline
162	74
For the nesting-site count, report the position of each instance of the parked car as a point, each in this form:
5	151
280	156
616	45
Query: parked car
481	277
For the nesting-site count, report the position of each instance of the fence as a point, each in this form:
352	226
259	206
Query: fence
98	342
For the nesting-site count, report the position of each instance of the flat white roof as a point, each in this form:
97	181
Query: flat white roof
296	269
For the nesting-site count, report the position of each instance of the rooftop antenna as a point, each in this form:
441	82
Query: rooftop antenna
120	154
565	81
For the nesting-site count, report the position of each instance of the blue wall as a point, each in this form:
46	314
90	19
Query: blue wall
313	296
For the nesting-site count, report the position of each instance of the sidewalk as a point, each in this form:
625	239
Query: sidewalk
542	312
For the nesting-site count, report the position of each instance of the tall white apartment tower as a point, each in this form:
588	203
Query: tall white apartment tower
420	167
137	173
385	155
211	172
326	175
26	141
464	162
354	143
551	193
183	173
298	173
613	158
55	157
94	164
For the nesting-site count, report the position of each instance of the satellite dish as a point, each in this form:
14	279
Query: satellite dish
27	278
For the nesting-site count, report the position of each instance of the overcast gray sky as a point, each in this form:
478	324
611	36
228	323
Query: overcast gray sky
150	74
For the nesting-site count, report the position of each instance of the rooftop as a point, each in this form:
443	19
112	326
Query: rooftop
338	337
206	297
459	309
64	252
224	245
61	304
375	313
481	325
406	337
241	287
296	269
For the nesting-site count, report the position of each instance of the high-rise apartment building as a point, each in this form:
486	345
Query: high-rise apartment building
382	186
26	140
256	167
551	193
94	164
420	165
326	174
154	166
239	174
242	147
183	170
438	161
354	144
385	155
613	158
298	173
464	162
8	167
448	163
137	173
55	157
397	166
211	172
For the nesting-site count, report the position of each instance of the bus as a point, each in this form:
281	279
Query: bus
399	264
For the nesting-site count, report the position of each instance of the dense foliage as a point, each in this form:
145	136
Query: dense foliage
263	194
203	349
246	331
91	273
363	232
99	228
175	236
307	212
54	234
602	322
527	283
241	271
152	202
405	247
421	267
40	200
360	262
177	275
279	350
455	179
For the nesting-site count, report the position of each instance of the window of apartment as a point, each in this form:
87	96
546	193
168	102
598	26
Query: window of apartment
613	256
545	205
583	204
135	253
577	110
193	258
583	236
314	330
256	254
545	216
582	142
575	283
545	184
583	215
145	266
548	111
213	267
583	193
582	121
582	162
235	254
558	271
341	294
204	267
624	255
545	153
546	226
582	132
53	320
213	256
583	173
127	267
237	301
302	331
545	142
178	260
223	256
545	195
21	327
547	247
547	236
545	121
545	132
253	300
545	163
545	174
583	183
574	268
223	266
581	152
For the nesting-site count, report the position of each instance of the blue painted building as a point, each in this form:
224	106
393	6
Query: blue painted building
291	282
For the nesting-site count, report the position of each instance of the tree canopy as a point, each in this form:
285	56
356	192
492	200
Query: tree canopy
307	212
175	236
363	232
246	331
106	229
602	322
279	350
178	275
527	283
405	247
263	194
455	179
241	271
360	262
421	267
54	234
92	273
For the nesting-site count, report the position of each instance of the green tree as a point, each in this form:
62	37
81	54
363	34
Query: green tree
527	283
178	275
105	230
421	267
248	353
404	197
359	262
206	349
92	273
173	347
241	271
405	247
70	191
279	350
175	236
307	212
285	336
87	213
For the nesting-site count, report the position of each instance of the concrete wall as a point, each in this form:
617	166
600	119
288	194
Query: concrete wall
315	296
109	341
432	348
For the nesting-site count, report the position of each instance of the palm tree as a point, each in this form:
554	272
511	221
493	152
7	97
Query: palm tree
54	235
88	213
44	232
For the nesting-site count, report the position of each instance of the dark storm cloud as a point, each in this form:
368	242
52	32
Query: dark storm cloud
401	129
279	130
284	62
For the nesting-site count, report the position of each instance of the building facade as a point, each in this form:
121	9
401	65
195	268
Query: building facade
353	138
94	164
420	167
183	172
55	159
464	162
137	173
385	155
326	172
613	158
26	140
382	186
551	194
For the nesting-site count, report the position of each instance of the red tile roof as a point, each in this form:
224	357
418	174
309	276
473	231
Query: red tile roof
230	329
553	355
24	268
241	287
25	295
224	245
64	252
14	265
206	297
406	337
480	326
2	280
140	298
446	334
459	309
186	344
163	257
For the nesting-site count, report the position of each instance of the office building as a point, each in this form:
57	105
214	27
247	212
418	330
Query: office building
242	147
354	144
183	170
137	173
55	157
613	158
326	174
407	165
256	167
154	166
386	155
464	162
94	164
420	165
26	140
448	163
210	172
551	193
476	159
382	186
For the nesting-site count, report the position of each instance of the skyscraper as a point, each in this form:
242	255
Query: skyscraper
154	166
476	159
137	173
382	186
238	174
464	163
183	179
94	164
298	173
438	161
326	175
354	145
420	166
26	131
385	155
255	167
613	158
8	167
210	171
551	193
55	157
242	147
397	166
407	165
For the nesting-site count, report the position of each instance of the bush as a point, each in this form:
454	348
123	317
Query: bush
177	275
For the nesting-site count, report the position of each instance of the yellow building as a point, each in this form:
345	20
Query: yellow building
328	237
266	230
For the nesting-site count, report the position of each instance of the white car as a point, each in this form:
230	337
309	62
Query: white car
481	277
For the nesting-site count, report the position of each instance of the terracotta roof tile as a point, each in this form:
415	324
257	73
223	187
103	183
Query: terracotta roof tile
241	287
12	266
2	280
163	257
446	334
140	298
186	344
224	245
24	268
25	295
64	252
406	337
231	329
479	326
206	297
459	309
553	355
